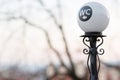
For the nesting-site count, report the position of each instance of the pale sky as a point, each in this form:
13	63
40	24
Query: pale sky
31	47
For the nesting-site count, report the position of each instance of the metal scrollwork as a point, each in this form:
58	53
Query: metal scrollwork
85	41
101	51
100	42
93	41
86	51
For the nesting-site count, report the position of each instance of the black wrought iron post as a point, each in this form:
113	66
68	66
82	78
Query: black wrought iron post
93	40
93	19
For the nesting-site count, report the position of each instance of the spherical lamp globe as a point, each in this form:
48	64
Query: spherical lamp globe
93	17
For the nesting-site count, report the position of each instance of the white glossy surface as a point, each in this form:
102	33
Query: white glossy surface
99	19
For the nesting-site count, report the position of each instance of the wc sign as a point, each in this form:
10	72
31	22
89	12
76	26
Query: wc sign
85	13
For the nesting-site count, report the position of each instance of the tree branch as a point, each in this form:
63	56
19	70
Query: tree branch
47	38
62	32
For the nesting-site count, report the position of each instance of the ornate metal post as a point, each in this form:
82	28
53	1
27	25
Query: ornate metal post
93	19
93	40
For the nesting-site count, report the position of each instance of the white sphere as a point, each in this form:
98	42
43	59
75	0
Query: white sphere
93	17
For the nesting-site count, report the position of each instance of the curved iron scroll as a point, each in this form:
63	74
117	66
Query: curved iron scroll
99	40
99	51
86	41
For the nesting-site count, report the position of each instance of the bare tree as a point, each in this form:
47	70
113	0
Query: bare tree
59	25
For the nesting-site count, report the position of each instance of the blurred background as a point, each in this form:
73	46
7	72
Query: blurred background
40	40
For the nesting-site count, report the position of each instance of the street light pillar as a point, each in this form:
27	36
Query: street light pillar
93	18
93	58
